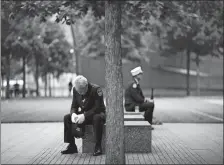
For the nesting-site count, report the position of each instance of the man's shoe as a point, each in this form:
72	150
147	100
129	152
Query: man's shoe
71	149
97	151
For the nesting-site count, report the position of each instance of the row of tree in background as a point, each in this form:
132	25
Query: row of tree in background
41	47
147	26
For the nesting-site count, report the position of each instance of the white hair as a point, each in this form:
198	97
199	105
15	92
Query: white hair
80	81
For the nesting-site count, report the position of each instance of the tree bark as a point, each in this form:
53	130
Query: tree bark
209	73
49	84
45	85
37	76
24	76
2	82
198	76
188	72
8	76
53	86
75	51
114	86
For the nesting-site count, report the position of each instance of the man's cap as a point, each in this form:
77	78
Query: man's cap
136	71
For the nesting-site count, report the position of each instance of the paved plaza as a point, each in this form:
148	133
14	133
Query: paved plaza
41	143
192	133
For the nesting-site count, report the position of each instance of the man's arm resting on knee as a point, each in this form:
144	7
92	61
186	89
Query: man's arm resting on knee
97	108
98	105
137	97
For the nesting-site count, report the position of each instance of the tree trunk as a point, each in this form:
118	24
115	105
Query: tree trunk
188	72
114	86
182	59
198	76
24	76
49	82
2	83
53	86
75	51
37	75
45	85
209	73
8	76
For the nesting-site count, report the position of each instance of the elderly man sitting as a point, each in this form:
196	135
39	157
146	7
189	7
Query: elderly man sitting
87	108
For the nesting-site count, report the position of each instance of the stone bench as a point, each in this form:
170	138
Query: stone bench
133	113
138	137
88	142
133	117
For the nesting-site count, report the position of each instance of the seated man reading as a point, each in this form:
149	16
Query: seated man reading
87	108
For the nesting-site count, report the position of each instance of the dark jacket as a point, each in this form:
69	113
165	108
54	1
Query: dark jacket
133	94
90	104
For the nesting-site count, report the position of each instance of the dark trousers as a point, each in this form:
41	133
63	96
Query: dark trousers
97	121
146	107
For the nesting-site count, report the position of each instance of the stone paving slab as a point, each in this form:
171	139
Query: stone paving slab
41	143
